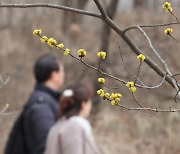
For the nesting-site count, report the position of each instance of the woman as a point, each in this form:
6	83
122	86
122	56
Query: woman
72	133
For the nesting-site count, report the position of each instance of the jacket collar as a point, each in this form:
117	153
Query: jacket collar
42	87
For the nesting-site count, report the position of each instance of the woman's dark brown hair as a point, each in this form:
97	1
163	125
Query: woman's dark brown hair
71	105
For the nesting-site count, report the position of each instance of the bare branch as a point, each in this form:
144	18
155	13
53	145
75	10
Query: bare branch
159	25
154	87
3	82
4	109
159	57
138	72
127	68
54	6
137	101
150	26
149	109
104	17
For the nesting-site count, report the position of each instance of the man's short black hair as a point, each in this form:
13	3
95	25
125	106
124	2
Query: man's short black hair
44	66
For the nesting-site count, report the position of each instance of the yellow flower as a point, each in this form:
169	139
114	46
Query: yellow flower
118	95
81	53
101	80
168	31
113	102
107	95
101	54
115	97
60	46
37	32
132	89
51	42
112	96
100	92
130	84
141	57
43	39
66	51
167	6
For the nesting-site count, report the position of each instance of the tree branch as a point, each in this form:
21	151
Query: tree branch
106	19
149	109
54	6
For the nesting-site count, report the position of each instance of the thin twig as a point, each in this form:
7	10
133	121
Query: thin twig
154	87
177	74
126	67
149	109
175	97
137	101
160	25
174	15
4	82
138	72
112	87
173	38
4	109
150	26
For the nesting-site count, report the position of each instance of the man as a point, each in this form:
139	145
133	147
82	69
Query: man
42	107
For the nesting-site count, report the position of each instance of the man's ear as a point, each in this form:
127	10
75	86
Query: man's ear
83	104
53	75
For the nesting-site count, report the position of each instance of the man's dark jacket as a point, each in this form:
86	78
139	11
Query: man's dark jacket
40	116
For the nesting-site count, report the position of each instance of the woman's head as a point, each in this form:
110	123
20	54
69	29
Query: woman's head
76	100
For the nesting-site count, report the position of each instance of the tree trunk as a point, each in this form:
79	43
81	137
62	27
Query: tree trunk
106	30
140	3
72	18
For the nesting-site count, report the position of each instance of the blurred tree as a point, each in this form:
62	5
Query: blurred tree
106	30
139	3
69	17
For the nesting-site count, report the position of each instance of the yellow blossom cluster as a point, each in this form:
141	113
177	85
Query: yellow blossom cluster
168	31
101	80
113	97
141	57
167	7
51	42
100	92
37	32
82	53
60	46
101	54
131	86
106	95
66	51
43	39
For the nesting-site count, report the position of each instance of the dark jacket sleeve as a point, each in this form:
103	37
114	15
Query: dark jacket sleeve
42	119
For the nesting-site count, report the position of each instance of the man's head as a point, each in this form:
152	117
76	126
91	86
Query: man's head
49	71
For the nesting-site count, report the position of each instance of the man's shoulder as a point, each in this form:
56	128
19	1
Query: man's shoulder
41	101
39	97
40	94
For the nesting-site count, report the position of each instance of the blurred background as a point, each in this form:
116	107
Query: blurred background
117	131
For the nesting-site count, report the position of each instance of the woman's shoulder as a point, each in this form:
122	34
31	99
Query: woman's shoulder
64	126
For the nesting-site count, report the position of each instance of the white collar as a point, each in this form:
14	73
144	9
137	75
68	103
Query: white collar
83	123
